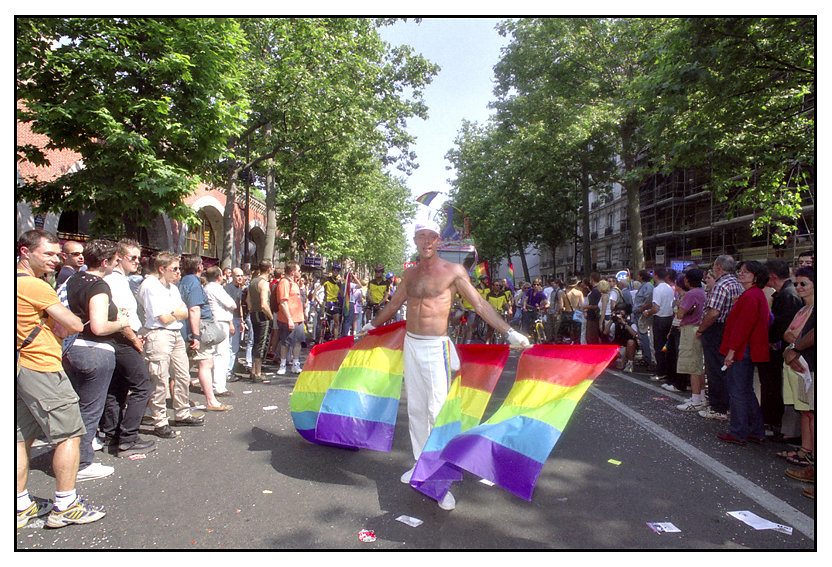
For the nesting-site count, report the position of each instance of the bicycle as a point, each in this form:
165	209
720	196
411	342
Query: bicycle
537	334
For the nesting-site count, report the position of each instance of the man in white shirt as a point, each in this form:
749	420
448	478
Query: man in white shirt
662	311
223	307
164	345
130	386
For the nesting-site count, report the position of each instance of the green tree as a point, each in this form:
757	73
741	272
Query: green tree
321	85
736	96
149	103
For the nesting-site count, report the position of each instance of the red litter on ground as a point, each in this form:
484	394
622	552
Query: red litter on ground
367	536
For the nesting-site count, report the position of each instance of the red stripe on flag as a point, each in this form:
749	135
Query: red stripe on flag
564	365
479	363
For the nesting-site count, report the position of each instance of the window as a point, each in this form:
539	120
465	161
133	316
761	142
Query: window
200	240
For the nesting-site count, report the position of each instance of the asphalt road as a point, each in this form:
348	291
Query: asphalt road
246	480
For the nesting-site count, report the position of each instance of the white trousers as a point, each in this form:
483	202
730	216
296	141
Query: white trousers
429	366
221	361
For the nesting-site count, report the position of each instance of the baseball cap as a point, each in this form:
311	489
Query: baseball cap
379	268
389	275
336	266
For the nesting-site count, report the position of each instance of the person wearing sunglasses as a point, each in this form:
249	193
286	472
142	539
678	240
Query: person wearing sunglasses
73	256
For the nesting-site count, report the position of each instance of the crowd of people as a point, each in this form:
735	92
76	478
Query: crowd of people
708	331
104	337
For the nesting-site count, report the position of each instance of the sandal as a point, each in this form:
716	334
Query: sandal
801	459
786	454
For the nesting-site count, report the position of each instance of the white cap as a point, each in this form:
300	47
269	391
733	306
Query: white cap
427	225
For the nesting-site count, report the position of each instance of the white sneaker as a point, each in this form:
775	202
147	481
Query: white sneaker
711	414
296	369
94	471
96	444
282	370
692	406
448	501
408	475
671	388
656	378
629	366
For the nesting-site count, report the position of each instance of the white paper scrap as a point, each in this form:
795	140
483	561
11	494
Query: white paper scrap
269	407
410	521
486	482
759	523
663	527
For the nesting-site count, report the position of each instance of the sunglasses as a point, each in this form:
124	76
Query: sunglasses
132	258
176	269
802	284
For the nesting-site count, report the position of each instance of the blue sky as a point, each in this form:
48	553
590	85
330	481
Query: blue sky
466	49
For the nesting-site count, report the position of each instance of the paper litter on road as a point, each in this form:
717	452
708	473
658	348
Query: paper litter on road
247	391
267	492
663	527
759	523
486	482
614	462
137	457
267	408
410	521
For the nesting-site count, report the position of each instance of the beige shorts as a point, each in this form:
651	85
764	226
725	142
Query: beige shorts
691	357
45	402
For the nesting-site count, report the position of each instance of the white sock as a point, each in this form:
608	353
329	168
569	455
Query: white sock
63	500
296	362
23	501
697	398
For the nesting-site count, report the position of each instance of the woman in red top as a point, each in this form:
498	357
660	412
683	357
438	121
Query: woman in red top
744	343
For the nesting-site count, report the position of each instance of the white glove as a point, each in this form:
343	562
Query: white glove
517	339
367	328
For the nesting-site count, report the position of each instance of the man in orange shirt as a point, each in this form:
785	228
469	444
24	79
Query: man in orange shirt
290	317
46	403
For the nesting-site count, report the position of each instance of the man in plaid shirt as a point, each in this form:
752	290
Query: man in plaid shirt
725	292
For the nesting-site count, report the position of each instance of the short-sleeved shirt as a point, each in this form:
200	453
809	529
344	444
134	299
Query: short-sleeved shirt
663	297
79	290
377	291
332	289
34	297
236	293
498	301
694	303
159	300
534	299
190	288
644	294
723	295
288	290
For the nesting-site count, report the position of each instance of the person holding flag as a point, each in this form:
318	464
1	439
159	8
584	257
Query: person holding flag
430	358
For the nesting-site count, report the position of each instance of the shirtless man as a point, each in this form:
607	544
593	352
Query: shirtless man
430	358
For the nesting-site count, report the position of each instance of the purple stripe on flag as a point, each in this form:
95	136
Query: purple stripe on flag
355	432
433	476
485	458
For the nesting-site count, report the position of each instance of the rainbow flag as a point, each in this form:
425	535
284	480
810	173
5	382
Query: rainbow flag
426	198
480	368
480	270
360	406
510	448
510	279
318	372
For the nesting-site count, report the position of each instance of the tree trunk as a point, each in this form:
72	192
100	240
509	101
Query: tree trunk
227	260
628	156
271	215
587	244
293	234
522	250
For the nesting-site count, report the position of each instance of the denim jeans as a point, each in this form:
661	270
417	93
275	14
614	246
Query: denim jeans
644	342
90	370
717	386
127	396
235	343
746	416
